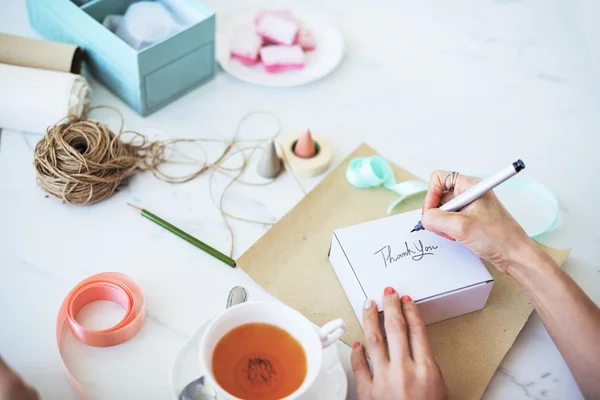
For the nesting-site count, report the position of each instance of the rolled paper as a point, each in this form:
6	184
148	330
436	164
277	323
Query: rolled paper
269	165
374	171
40	54
31	99
307	167
112	286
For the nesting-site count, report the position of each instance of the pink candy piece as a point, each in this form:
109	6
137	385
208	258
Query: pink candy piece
282	58
305	39
277	29
245	45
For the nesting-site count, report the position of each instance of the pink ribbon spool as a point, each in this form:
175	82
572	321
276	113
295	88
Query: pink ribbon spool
112	286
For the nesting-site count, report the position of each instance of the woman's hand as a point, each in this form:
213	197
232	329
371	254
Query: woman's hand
12	386
484	226
405	369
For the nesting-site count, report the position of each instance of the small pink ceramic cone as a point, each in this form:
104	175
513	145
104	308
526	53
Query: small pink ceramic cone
305	146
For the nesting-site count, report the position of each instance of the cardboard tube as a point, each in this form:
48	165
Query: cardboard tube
307	167
40	54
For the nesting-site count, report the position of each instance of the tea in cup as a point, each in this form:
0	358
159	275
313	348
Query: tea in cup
266	351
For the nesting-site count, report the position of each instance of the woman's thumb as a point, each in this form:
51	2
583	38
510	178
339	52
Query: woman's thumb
453	224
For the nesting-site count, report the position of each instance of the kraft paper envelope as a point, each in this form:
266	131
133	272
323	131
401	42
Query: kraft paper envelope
290	261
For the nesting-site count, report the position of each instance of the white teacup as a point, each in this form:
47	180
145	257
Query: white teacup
312	340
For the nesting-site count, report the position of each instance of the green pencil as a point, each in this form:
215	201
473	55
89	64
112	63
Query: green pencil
185	236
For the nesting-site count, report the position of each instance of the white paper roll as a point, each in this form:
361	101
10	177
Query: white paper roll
32	99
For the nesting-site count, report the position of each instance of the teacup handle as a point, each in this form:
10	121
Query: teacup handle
332	332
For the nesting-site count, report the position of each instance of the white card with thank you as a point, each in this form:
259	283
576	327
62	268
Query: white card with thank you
443	277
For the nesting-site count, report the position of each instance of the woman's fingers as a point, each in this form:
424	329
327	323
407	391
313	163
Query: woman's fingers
373	337
417	334
435	190
435	193
395	326
361	370
456	225
446	197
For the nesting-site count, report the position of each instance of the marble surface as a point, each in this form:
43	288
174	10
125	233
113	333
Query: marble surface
463	85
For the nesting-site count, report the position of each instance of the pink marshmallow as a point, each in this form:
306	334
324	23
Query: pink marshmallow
305	39
245	45
282	58
277	29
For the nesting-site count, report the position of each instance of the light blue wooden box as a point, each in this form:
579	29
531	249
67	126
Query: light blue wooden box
147	80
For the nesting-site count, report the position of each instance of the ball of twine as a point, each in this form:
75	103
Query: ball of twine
82	162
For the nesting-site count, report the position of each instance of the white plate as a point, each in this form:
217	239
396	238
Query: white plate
331	384
319	62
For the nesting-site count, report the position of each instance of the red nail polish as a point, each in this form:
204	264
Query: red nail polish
448	237
405	299
355	345
388	291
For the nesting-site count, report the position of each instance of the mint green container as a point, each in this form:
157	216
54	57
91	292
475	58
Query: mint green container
146	80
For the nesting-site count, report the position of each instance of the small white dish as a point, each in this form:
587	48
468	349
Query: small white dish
319	62
331	384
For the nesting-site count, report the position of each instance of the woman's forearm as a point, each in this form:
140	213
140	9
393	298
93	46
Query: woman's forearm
569	315
489	231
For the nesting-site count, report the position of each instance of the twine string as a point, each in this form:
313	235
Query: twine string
82	162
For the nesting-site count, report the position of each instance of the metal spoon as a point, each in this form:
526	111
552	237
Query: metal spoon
197	390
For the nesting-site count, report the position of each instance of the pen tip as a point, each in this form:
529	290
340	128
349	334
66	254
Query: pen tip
135	207
414	229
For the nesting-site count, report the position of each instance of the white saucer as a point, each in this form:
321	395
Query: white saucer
319	62
331	383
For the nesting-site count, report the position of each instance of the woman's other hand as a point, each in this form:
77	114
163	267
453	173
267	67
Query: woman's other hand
405	369
12	386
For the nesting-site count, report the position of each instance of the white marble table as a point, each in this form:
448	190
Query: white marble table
464	86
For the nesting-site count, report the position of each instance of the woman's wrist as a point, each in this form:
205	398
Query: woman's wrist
529	262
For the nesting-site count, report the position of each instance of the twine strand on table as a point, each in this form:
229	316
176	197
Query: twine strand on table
82	162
